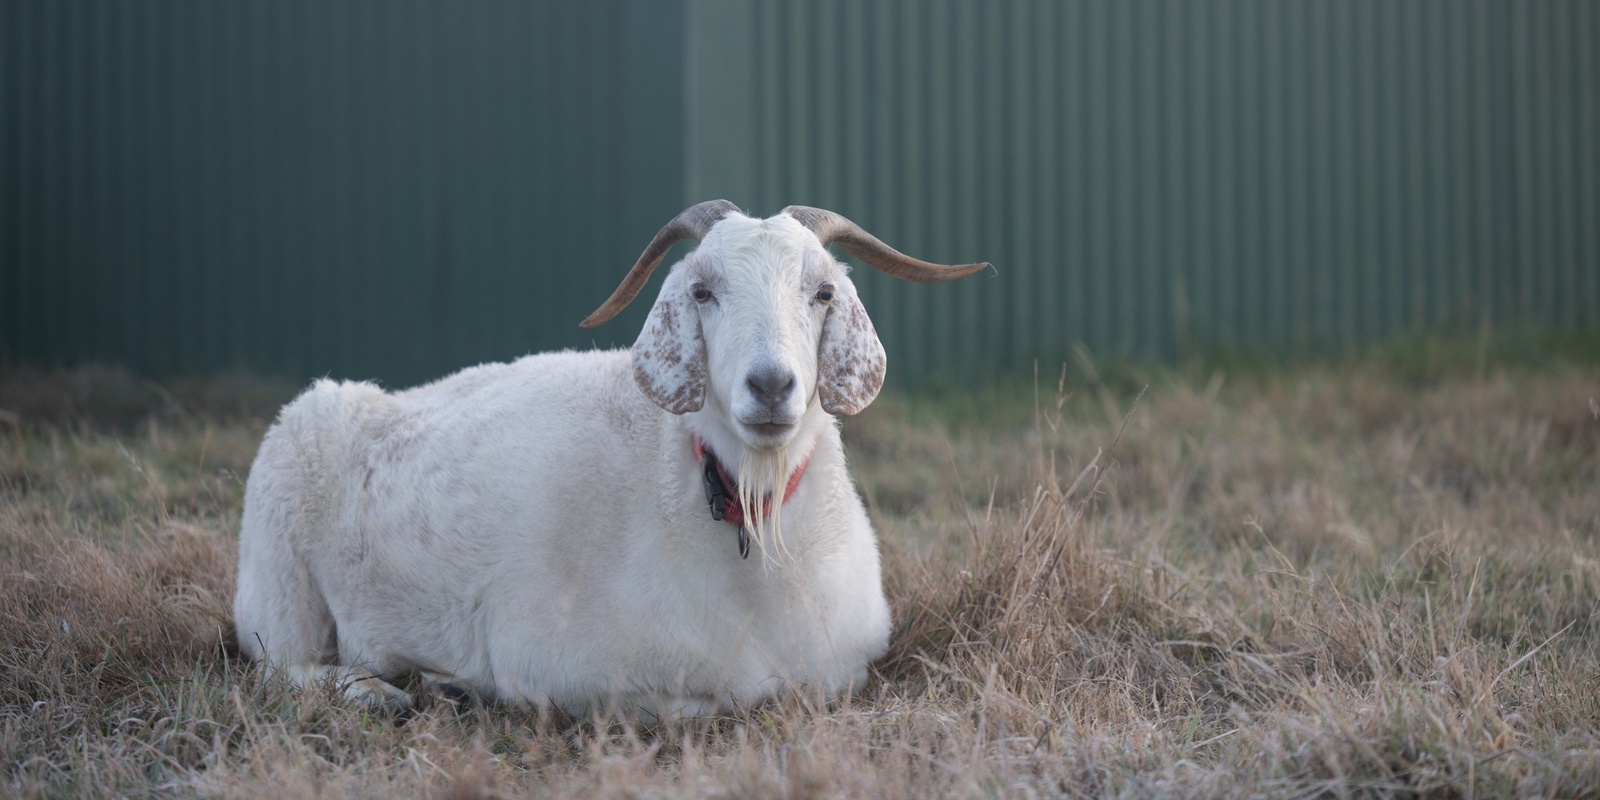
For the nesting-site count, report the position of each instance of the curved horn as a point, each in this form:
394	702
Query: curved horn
692	223
831	227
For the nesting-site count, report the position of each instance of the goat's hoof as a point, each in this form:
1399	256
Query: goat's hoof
460	696
383	697
445	689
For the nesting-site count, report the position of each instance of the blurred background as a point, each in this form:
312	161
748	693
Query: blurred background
393	190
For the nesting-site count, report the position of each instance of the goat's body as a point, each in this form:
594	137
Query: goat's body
537	531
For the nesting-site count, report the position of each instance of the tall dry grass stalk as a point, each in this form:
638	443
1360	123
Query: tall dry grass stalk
1323	583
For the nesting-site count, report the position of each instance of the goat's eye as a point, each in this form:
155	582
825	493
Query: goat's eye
825	294
700	293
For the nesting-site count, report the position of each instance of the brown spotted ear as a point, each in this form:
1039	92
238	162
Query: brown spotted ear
850	359
669	357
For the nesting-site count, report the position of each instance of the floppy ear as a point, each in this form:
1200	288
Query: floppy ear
850	359
669	357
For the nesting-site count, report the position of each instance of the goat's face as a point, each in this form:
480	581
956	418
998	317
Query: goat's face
761	321
763	324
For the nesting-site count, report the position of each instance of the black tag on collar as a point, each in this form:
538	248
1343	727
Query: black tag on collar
716	493
719	498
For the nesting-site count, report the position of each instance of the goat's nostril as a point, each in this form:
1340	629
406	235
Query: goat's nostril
770	385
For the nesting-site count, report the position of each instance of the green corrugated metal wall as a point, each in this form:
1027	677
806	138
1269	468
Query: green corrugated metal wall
1151	176
395	189
385	189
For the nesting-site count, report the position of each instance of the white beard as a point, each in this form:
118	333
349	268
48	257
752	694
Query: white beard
762	475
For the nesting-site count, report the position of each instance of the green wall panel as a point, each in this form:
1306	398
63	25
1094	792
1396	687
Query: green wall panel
1154	176
366	189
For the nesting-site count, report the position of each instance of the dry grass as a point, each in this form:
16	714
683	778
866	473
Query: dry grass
1334	581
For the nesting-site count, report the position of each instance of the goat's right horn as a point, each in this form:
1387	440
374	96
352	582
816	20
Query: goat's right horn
692	223
832	227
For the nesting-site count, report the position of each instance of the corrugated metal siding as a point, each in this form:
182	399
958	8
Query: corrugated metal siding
368	189
1154	176
395	189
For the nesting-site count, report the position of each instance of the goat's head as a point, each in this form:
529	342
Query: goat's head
761	319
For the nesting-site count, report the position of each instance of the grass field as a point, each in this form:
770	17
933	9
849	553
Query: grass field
1373	578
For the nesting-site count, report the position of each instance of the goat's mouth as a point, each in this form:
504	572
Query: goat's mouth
770	435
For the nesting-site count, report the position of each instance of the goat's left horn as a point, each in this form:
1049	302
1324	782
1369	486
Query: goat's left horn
691	223
830	227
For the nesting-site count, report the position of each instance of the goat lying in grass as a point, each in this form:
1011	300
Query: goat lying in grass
539	531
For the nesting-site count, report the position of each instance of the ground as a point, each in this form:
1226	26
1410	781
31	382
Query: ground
1371	576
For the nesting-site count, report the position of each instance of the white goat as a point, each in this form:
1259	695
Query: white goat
539	531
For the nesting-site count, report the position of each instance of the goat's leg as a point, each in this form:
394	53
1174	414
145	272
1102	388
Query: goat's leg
283	620
450	690
356	683
281	617
284	623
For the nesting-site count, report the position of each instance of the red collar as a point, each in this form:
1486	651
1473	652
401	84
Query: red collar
733	514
